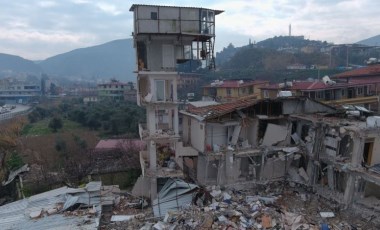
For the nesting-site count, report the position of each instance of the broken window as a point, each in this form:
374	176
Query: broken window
345	146
367	152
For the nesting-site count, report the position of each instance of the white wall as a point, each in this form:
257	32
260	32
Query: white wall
197	135
216	134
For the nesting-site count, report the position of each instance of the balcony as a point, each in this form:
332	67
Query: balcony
354	101
162	132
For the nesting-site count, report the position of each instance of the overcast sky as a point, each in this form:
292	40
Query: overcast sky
38	29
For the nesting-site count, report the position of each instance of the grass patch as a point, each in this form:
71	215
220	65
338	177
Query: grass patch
42	127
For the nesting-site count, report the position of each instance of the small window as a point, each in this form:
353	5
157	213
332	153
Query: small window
343	92
201	127
266	94
228	92
153	15
360	91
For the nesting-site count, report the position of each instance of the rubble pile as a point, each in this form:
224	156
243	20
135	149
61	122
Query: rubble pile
273	207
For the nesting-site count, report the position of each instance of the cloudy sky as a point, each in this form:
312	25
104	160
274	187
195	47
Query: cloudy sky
37	29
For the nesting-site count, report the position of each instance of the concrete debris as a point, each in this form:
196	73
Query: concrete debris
327	214
271	206
35	214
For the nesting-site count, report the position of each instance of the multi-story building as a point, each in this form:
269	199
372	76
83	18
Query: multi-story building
294	138
114	90
165	36
230	90
329	92
17	90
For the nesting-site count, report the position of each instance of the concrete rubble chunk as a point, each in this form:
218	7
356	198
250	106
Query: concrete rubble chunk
35	214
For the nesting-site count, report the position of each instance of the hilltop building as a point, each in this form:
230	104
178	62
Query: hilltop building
230	90
165	36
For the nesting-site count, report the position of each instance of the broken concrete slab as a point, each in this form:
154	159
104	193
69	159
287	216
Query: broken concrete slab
274	134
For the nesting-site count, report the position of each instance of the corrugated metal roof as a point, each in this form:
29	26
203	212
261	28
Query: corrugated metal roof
16	215
175	194
189	7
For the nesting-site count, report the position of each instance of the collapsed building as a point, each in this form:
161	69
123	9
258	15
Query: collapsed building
292	138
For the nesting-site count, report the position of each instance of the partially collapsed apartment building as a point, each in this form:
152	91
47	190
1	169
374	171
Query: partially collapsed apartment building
290	138
164	37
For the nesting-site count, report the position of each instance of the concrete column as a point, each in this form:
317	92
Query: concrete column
153	167
357	151
170	118
152	156
175	97
151	119
349	191
176	121
229	167
153	188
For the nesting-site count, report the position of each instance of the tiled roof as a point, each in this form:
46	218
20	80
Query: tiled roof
236	84
372	70
221	109
318	85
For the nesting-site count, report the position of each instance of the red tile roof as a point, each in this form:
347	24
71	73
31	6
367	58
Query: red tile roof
372	70
236	84
221	109
318	85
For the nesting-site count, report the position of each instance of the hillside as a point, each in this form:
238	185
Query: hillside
115	59
372	41
15	64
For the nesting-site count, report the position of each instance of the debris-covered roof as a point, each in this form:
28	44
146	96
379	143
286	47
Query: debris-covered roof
213	111
221	109
48	210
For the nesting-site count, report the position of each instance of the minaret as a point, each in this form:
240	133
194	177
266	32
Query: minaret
290	30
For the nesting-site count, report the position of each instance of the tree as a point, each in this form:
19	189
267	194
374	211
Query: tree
55	123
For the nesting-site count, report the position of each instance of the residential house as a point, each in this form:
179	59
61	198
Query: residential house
369	74
296	139
327	91
229	90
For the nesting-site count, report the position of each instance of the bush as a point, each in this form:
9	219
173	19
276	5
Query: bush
14	162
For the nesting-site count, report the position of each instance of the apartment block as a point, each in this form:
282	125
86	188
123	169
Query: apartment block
165	36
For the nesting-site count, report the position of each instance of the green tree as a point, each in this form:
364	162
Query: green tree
55	123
